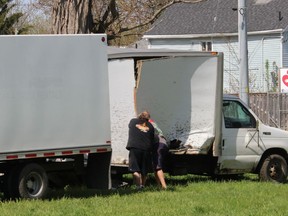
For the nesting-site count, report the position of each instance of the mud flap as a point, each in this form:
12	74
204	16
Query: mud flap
98	174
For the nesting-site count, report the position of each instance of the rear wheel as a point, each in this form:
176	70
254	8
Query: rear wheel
274	168
33	182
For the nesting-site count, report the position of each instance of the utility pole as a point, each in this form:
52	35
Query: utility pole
243	54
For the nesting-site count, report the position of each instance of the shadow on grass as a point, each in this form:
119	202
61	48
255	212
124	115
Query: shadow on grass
125	186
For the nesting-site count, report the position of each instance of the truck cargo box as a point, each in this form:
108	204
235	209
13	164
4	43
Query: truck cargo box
53	94
182	90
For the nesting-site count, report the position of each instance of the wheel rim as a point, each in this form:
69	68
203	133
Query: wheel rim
34	184
275	170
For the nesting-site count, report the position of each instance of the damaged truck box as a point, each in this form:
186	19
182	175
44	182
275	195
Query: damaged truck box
183	91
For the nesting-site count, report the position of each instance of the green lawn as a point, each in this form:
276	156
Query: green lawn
189	195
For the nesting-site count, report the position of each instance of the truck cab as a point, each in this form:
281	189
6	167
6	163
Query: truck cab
248	145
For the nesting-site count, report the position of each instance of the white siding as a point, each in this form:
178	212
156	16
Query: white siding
285	49
229	46
264	51
182	44
260	50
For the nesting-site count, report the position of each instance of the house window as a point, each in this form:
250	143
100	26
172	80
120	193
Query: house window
206	46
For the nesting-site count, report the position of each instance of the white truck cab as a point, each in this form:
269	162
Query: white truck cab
248	145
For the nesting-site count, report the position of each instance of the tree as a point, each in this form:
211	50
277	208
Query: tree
35	14
8	20
117	18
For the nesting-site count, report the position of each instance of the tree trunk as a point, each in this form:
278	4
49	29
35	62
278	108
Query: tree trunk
72	16
117	18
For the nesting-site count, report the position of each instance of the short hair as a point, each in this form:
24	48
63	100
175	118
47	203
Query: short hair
145	115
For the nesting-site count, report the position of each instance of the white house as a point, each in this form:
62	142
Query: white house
213	25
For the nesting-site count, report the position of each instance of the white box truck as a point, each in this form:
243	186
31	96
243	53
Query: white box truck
183	91
53	108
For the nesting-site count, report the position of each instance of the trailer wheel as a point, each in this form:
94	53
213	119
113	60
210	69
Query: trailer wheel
33	182
274	168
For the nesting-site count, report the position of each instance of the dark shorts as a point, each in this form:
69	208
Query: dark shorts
159	153
139	161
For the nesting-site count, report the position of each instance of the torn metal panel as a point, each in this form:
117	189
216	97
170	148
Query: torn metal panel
180	94
178	89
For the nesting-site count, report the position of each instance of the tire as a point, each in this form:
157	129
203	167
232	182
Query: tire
33	182
274	168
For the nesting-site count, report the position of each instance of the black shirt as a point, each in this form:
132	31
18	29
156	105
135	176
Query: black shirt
141	134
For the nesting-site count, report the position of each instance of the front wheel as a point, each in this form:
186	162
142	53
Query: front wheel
274	168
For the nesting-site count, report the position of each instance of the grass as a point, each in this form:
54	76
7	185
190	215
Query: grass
188	195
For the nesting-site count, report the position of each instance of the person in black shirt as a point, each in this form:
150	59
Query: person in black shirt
140	141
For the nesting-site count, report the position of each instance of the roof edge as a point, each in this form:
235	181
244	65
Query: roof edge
122	53
191	36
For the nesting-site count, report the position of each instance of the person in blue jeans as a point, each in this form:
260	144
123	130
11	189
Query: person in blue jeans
159	151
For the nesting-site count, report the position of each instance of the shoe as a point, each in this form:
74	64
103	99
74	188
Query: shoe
141	187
